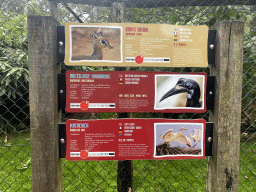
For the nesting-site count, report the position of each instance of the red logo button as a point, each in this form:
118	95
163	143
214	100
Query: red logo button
84	105
84	154
139	59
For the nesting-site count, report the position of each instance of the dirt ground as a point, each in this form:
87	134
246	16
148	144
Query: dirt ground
82	42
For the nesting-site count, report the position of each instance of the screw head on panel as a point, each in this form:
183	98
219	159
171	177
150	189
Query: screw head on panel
211	46
60	43
210	92
62	140
61	91
209	139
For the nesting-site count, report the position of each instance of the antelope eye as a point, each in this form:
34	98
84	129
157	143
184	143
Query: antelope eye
103	42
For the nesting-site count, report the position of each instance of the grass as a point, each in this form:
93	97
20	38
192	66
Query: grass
247	173
13	157
148	175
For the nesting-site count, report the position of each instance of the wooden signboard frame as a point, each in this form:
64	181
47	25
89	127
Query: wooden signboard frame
223	166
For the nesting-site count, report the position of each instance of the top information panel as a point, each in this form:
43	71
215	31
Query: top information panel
134	44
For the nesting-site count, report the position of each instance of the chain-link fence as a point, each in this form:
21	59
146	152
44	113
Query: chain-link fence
148	175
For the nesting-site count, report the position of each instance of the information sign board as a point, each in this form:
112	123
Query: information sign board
131	91
136	44
135	139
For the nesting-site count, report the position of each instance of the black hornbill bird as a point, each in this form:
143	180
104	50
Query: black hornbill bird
186	85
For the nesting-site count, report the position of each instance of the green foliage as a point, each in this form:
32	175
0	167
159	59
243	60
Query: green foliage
195	15
14	74
7	126
249	68
13	56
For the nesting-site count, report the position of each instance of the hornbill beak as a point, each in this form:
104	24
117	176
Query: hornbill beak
176	90
186	85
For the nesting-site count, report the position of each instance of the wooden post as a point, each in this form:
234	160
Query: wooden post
223	166
44	116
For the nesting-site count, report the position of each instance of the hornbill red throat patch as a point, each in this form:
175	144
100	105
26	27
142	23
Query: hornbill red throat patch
186	85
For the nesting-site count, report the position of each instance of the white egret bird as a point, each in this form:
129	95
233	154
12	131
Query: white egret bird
166	134
179	137
197	136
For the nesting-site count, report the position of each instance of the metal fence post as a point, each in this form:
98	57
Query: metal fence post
125	168
53	8
223	166
44	116
118	12
95	14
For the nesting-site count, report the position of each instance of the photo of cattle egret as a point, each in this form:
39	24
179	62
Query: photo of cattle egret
176	139
177	91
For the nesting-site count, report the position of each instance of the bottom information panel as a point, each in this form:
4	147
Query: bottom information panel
135	139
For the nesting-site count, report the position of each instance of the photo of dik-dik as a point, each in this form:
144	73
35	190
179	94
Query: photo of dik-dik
96	43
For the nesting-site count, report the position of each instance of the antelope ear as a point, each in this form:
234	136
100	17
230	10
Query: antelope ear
90	34
94	37
97	34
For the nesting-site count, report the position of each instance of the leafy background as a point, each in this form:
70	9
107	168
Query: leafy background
14	85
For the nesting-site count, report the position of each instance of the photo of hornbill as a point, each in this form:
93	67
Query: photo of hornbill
179	91
186	85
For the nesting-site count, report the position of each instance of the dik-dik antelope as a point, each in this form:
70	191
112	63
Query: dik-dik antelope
100	43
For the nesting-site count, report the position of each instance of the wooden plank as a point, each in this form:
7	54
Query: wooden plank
223	167
44	116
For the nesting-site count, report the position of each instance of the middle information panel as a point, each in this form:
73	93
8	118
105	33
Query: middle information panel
131	91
